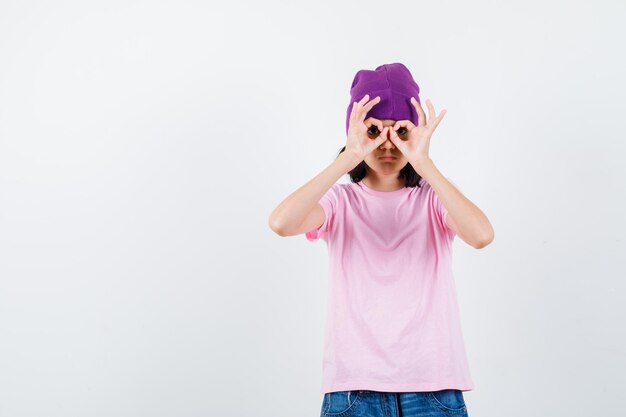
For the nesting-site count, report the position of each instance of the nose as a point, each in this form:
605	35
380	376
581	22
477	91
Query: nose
388	144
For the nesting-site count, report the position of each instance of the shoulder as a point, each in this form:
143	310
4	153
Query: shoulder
341	189
350	191
336	193
424	184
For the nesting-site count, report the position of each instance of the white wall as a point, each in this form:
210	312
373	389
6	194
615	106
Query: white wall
144	144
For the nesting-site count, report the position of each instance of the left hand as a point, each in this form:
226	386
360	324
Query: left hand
415	146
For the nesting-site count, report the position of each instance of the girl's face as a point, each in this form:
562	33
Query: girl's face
375	160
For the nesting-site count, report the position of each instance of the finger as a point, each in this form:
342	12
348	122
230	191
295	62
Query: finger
438	119
353	111
393	136
369	105
360	115
385	133
409	125
392	130
363	101
380	139
431	111
401	123
421	116
359	106
372	121
395	126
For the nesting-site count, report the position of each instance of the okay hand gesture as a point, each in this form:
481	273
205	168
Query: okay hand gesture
415	147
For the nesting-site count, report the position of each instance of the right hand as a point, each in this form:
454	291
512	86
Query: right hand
358	141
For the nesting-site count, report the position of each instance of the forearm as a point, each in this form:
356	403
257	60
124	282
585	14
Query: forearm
292	211
471	223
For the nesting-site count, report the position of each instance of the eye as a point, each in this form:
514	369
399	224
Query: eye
402	131
373	130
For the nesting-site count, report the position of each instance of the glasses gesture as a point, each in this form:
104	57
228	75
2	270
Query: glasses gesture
358	142
417	143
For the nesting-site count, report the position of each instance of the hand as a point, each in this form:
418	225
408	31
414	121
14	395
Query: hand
415	147
358	142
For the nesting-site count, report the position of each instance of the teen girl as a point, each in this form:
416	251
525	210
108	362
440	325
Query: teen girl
393	344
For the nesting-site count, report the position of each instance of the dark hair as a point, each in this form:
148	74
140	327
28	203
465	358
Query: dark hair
411	177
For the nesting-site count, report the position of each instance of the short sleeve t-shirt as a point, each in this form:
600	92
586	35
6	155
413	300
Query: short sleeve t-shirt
393	321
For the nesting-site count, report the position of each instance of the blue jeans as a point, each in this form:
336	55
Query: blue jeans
364	403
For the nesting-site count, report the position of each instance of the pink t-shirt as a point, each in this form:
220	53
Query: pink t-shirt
393	321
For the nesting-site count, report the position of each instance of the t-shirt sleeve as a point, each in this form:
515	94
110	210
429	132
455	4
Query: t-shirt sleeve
441	210
329	204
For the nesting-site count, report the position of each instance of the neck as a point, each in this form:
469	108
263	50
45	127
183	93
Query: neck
384	183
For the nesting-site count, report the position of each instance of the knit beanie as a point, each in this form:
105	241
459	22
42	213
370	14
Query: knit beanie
395	86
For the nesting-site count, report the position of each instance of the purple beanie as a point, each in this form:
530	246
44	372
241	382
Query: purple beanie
395	86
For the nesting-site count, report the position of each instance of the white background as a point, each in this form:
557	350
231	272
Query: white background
144	144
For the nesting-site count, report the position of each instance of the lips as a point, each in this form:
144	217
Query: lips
387	157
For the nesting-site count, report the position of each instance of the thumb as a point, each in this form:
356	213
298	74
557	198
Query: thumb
382	137
394	138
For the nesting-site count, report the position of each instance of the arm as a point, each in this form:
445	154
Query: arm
464	217
300	212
